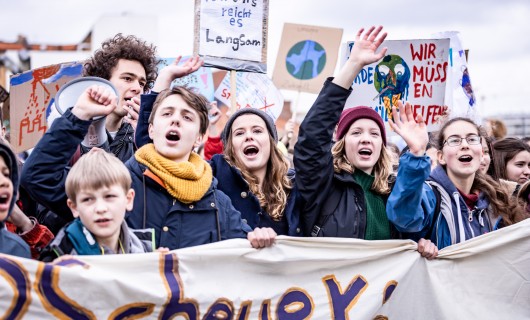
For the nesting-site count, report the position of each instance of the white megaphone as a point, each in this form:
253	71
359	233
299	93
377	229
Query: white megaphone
66	98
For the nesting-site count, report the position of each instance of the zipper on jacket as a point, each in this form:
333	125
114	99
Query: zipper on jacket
470	215
358	205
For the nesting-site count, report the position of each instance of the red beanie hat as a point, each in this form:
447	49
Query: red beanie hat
351	115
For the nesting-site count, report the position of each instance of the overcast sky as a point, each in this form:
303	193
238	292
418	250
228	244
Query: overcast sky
496	32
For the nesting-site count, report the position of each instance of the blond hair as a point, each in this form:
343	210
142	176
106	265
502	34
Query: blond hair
382	168
95	170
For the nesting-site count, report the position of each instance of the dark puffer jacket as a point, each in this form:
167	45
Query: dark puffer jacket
180	225
324	192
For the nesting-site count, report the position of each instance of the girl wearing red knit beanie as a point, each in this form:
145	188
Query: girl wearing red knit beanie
344	188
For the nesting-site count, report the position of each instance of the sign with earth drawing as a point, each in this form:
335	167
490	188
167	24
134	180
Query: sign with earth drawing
307	56
412	70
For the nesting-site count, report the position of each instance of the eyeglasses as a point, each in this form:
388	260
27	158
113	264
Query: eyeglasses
454	141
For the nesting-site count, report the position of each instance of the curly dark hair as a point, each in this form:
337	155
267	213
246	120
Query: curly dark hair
129	47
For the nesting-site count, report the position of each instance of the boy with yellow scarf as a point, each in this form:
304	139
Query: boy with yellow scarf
175	192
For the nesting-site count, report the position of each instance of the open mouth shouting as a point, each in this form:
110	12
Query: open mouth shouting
5	201
173	136
250	151
365	153
465	158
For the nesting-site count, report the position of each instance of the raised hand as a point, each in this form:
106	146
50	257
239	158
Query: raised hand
413	131
175	71
366	44
133	108
95	101
362	53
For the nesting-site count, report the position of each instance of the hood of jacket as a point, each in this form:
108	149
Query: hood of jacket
11	162
440	175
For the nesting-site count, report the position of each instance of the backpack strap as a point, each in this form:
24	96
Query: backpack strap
437	210
324	215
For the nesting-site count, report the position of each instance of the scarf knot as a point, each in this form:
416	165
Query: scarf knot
187	181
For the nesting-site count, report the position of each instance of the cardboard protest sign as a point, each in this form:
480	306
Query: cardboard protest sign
297	278
32	95
307	56
201	80
412	70
254	90
232	34
459	93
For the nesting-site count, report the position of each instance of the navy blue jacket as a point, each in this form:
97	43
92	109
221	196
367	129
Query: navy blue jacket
180	225
412	203
44	172
231	182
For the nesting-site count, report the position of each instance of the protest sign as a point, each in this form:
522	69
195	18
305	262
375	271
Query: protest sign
232	34
297	278
412	70
254	90
307	56
201	80
32	95
459	92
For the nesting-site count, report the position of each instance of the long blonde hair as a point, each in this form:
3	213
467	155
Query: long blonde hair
273	195
382	168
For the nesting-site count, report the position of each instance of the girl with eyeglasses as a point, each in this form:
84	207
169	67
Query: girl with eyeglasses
455	202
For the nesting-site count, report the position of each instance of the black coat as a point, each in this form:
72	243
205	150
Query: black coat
326	193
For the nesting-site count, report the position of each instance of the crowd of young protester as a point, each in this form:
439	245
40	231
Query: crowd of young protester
147	188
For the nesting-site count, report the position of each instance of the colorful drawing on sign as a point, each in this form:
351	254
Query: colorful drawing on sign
201	80
392	77
306	60
254	90
466	86
414	71
32	95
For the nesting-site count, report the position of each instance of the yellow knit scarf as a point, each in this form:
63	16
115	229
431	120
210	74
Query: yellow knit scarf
187	181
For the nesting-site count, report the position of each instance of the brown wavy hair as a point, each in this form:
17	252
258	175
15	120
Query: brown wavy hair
105	59
382	169
276	185
501	201
505	150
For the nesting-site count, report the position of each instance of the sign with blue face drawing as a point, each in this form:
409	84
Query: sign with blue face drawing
232	34
412	70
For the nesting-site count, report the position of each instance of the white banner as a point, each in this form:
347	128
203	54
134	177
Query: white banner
459	93
297	278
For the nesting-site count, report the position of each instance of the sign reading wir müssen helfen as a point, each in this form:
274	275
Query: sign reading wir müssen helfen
232	34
